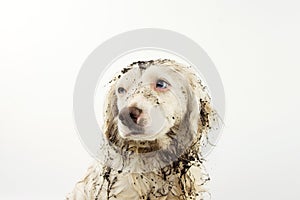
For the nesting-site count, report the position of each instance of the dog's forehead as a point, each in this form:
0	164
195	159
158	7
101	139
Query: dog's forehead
147	72
158	71
129	76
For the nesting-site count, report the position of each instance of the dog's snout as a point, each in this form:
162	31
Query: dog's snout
129	116
134	113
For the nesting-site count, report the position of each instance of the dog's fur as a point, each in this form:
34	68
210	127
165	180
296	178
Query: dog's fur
162	165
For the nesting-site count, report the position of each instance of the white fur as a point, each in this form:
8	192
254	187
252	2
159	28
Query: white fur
139	173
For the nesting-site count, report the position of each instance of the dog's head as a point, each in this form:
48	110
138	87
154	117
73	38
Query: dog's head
157	104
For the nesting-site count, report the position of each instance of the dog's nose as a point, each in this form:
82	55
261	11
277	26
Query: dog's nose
129	115
134	113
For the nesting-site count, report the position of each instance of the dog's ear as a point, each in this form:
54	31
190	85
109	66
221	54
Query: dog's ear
208	126
207	121
206	114
110	106
202	112
205	111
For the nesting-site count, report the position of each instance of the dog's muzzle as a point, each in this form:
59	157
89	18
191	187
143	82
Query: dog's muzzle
129	116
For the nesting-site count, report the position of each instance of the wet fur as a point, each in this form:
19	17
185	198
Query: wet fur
169	167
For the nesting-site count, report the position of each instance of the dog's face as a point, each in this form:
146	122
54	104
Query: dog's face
156	105
150	100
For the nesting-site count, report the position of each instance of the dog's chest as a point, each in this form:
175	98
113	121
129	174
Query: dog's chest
142	186
104	183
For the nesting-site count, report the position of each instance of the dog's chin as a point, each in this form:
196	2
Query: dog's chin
137	135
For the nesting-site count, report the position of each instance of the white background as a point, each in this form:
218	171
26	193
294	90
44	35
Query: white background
253	43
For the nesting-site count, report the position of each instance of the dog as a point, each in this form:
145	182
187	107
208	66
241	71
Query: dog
157	115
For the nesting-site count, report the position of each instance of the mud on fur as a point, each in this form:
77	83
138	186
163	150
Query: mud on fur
162	164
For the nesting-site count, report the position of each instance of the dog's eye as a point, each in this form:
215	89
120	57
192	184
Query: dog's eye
160	84
121	90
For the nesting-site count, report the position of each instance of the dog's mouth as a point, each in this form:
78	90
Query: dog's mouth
134	132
